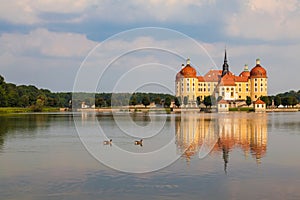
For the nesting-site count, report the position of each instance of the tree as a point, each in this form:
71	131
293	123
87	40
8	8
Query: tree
177	101
1	80
146	101
167	102
24	101
248	101
277	101
157	101
185	100
198	100
266	100
133	100
207	101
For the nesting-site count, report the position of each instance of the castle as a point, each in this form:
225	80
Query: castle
221	83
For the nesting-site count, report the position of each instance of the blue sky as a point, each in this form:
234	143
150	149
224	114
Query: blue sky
44	43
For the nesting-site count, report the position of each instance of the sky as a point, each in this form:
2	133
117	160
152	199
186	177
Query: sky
126	46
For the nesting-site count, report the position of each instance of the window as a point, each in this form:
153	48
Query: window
261	84
255	96
198	89
187	84
240	97
255	84
240	89
222	89
231	89
255	80
246	84
208	84
261	89
208	89
247	90
204	85
193	84
204	89
239	84
231	94
255	89
188	89
188	80
223	94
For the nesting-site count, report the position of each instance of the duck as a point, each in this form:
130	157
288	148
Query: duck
139	142
107	142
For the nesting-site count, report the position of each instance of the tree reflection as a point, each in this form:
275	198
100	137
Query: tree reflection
21	125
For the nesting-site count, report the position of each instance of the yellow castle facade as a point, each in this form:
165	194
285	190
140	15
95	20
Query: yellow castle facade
221	83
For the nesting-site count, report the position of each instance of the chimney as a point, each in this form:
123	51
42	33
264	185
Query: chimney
246	69
182	66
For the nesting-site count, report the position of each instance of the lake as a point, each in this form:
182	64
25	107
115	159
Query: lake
183	156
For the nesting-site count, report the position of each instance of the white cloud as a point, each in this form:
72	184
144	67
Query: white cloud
43	42
28	11
266	20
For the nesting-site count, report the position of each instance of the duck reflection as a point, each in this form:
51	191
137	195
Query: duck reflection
247	132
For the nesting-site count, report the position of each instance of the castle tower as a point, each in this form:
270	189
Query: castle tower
225	69
258	81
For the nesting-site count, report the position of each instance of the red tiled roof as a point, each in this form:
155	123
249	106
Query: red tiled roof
245	74
240	78
258	72
222	101
213	75
258	101
200	79
227	80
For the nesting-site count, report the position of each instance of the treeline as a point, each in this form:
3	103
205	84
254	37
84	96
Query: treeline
290	98
12	95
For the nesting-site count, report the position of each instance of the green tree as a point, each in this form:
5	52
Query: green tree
157	101
167	102
133	100
248	101
277	101
185	100
24	101
1	80
207	101
146	101
177	101
266	99
198	100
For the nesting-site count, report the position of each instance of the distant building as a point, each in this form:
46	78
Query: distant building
259	106
221	83
223	106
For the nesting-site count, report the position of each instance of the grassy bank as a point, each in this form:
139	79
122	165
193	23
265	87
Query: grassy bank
244	109
6	110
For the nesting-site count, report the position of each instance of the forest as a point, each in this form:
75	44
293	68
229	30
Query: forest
12	95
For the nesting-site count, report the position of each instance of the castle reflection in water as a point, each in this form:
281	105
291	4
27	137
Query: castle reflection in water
246	131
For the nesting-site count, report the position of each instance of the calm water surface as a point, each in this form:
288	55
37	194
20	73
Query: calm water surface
256	156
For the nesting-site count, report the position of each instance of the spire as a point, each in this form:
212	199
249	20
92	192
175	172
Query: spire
225	65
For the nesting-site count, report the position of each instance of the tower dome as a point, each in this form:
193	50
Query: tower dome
188	71
246	72
258	71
